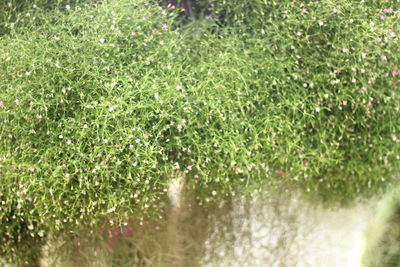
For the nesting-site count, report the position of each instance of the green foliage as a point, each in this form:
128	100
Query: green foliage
255	15
101	105
15	11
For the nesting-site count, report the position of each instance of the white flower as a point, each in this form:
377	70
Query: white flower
317	109
111	109
137	141
68	7
111	210
102	40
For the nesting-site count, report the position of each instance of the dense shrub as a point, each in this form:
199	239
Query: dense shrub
102	104
80	135
10	11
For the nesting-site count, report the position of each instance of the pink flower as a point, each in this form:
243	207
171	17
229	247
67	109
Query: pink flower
335	10
69	142
164	26
39	116
116	231
1	104
304	10
299	33
306	163
31	169
9	4
144	18
157	227
394	72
